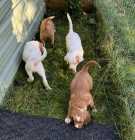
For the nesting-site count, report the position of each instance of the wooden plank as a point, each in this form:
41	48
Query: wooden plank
10	47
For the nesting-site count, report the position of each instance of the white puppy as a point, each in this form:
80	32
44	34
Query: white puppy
74	47
33	57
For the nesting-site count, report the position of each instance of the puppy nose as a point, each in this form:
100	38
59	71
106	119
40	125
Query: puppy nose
76	126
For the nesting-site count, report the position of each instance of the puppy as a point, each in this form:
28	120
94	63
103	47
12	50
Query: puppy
80	97
33	57
47	30
74	47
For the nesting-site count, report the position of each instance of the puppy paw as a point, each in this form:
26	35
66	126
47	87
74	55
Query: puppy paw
48	88
77	126
30	80
67	120
52	45
94	110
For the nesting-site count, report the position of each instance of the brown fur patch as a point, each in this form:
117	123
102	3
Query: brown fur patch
47	30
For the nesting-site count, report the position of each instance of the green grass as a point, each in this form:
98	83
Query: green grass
33	99
115	39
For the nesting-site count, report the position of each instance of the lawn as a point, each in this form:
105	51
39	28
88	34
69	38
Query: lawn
34	99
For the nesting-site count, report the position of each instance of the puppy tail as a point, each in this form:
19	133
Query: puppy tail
70	23
44	55
45	21
51	17
89	64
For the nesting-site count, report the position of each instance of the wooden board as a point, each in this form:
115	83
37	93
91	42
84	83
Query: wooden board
19	21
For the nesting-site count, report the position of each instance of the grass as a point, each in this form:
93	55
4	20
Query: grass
33	99
115	39
113	90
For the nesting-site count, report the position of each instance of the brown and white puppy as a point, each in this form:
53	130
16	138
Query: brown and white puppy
33	55
47	30
74	47
80	97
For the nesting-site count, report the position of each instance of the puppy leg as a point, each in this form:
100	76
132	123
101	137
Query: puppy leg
68	119
92	105
29	72
88	118
45	82
41	72
52	39
94	109
65	59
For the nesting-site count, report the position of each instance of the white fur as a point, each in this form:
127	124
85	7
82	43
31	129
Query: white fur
76	126
67	120
74	47
33	59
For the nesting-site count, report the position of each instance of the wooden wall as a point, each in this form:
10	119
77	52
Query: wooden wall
19	21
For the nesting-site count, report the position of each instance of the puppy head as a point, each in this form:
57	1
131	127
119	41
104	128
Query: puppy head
76	61
81	117
78	121
69	59
73	66
81	120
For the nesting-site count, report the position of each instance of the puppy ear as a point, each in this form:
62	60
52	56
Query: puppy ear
77	60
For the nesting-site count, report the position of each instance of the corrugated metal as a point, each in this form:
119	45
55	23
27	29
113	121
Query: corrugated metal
19	21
